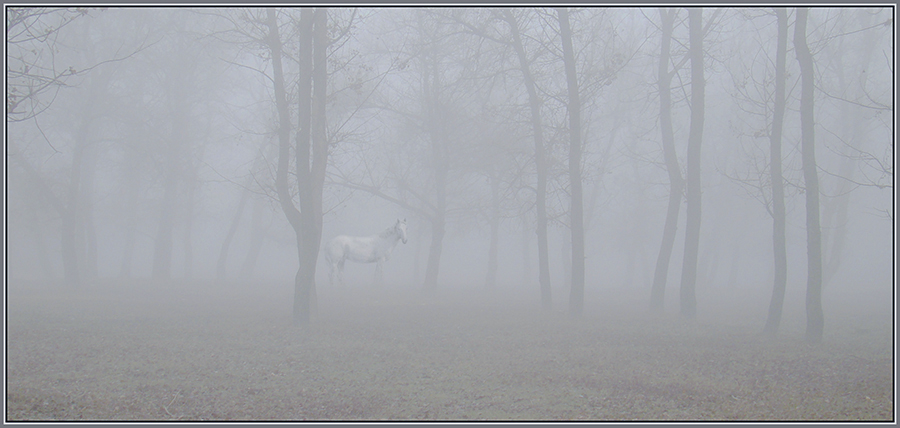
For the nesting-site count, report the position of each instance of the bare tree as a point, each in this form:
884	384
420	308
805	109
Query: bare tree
815	320
182	79
33	76
576	298
540	157
676	182
310	149
692	228
778	209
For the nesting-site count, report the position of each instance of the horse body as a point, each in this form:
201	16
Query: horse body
363	249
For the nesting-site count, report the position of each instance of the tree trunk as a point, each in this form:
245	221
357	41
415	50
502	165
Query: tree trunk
285	198
86	209
417	262
67	241
434	253
778	209
162	249
438	134
835	211
576	213
692	228
815	320
491	279
566	253
232	229
188	215
676	183
71	225
131	199
257	235
313	183
36	232
311	154
527	262
534	104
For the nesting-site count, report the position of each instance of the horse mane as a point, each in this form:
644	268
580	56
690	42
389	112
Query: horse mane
387	233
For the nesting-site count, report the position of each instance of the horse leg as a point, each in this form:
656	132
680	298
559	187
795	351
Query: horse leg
379	278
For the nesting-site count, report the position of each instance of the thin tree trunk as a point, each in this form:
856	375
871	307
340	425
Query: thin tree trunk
439	147
695	136
86	210
257	237
417	263
162	250
566	253
71	225
434	253
187	243
232	229
576	213
491	279
527	262
835	212
815	320
131	185
534	103
676	183
778	209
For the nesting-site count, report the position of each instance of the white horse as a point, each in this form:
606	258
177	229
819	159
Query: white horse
363	249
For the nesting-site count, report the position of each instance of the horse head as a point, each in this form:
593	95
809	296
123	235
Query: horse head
400	229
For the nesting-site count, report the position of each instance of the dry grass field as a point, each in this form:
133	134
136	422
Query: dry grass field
192	353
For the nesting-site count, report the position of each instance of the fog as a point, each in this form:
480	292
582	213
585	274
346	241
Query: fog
143	150
183	185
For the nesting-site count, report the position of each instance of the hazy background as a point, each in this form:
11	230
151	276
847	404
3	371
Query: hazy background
149	127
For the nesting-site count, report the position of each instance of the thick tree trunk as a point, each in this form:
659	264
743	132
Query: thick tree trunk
778	209
305	300
284	131
36	232
695	136
310	136
534	104
576	213
67	240
815	320
676	183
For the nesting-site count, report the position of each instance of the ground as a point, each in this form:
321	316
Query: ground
190	352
